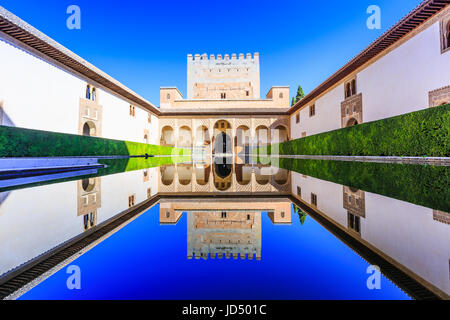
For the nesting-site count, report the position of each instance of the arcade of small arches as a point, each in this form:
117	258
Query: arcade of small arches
218	177
222	136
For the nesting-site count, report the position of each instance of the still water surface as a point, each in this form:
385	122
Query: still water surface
233	231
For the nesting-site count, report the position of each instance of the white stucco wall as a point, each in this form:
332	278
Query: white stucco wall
36	220
395	84
404	231
327	118
399	82
38	95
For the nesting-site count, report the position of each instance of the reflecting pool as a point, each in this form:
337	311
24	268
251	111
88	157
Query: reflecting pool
165	228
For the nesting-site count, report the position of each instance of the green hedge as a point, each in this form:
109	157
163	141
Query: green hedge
421	133
19	142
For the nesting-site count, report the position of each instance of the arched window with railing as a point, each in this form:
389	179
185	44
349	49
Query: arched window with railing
94	94
88	92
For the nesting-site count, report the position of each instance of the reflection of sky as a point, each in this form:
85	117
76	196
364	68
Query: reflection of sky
147	261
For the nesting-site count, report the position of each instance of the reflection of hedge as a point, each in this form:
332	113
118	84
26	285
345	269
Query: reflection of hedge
422	185
421	133
18	142
113	166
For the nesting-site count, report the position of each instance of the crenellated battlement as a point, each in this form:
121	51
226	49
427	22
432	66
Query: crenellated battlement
225	57
224	255
229	76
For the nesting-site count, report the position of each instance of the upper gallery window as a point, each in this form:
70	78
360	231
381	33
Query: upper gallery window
350	88
94	94
445	34
88	92
132	111
223	95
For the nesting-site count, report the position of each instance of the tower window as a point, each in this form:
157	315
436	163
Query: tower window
94	94
281	95
224	215
299	192
223	95
247	93
297	118
168	96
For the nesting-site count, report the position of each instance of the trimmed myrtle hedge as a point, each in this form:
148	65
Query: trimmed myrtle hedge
422	185
421	133
19	142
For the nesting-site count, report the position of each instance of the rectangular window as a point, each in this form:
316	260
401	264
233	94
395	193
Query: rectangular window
132	111
312	110
247	93
297	118
354	223
149	193
314	199
299	192
131	201
224	215
223	95
149	118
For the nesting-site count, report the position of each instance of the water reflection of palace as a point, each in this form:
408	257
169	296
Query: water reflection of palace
222	177
408	241
224	207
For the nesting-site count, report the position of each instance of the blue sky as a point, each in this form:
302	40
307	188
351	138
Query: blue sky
144	44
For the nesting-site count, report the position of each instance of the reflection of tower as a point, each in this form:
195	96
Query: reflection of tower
89	201
224	233
355	204
167	214
281	213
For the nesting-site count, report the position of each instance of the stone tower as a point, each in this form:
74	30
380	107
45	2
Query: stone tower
223	78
